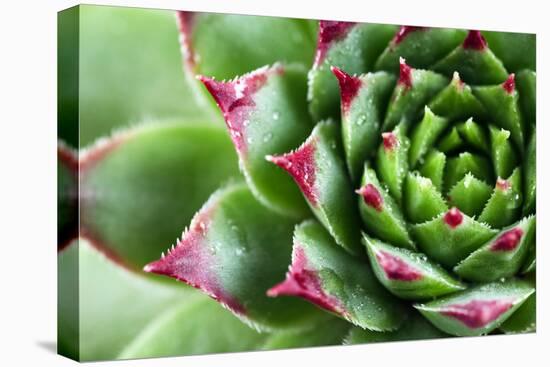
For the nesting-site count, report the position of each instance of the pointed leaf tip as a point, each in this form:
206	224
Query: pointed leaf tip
453	217
477	313
329	31
390	141
509	84
349	87
300	164
397	269
185	21
508	241
405	73
371	196
303	282
474	41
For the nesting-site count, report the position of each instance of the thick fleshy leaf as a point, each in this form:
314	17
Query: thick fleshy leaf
425	134
457	101
198	327
227	248
466	162
526	82
451	237
351	47
409	274
470	195
319	170
392	162
330	331
474	61
525	317
474	135
415	327
140	187
451	142
129	72
434	168
502	152
265	114
381	216
422	200
363	102
504	205
67	195
516	50
421	46
98	295
502	256
329	277
478	310
414	89
502	103
530	176
227	45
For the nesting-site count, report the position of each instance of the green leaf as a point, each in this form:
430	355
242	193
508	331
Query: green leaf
451	141
224	46
392	161
409	274
456	101
320	172
474	61
502	256
422	199
466	162
516	50
450	237
502	104
140	187
381	216
330	331
364	100
329	277
530	175
473	134
130	72
414	89
470	195
351	47
265	114
228	254
415	327
422	47
425	134
478	310
434	167
98	295
526	82
502	152
504	205
199	327
524	319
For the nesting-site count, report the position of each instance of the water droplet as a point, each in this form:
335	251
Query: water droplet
276	116
249	140
267	137
246	123
502	280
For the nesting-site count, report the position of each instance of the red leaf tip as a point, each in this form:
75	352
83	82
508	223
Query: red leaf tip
300	164
185	24
405	73
304	282
453	217
390	141
477	313
502	184
371	196
329	31
404	31
509	84
508	241
349	87
397	269
474	41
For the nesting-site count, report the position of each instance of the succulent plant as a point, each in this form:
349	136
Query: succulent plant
385	192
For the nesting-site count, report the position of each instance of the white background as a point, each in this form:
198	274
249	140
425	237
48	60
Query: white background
28	182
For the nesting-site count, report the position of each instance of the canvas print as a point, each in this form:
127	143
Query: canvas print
232	183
